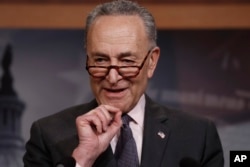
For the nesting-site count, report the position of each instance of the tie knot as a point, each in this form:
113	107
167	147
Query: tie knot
126	119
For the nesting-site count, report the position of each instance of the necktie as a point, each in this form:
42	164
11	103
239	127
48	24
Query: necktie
126	152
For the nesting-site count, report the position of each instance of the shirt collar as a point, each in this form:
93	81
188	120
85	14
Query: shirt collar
137	113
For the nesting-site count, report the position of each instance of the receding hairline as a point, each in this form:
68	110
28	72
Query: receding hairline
133	25
124	8
119	15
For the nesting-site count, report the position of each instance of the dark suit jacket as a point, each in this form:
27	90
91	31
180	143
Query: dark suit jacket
169	136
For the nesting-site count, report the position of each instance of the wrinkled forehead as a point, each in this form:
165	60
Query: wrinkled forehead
116	33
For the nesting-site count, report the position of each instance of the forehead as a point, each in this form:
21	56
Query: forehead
116	33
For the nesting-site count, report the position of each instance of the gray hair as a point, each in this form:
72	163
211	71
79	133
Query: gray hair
124	7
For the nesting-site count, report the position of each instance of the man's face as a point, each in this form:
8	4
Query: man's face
120	41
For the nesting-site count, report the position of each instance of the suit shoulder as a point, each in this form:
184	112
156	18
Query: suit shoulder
179	116
68	114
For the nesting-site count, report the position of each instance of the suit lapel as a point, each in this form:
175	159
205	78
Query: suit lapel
156	133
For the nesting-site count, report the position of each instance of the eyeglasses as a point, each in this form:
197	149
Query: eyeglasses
124	71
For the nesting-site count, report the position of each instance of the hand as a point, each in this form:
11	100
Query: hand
95	131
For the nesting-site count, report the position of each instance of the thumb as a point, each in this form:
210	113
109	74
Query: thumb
116	123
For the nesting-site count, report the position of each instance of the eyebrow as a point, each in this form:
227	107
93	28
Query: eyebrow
120	55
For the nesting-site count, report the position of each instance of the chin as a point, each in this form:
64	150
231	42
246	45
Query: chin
122	106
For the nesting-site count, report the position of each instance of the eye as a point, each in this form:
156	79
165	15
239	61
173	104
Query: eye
128	61
101	60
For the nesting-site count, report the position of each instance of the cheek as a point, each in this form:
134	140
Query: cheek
95	85
140	82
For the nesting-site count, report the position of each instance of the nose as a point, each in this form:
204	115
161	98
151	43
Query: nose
113	76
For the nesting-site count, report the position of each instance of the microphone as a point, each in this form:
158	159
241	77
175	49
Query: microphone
189	162
67	162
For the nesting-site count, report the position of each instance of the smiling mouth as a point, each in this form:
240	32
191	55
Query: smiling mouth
115	90
115	94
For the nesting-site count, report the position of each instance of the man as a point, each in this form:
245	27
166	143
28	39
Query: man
121	57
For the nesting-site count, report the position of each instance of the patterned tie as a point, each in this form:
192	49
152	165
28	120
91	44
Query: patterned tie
126	152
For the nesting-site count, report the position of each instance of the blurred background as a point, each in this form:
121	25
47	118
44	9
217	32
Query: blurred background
204	66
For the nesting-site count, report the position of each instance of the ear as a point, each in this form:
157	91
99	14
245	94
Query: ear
153	60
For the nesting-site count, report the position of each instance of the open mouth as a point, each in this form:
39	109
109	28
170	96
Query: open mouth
115	90
115	94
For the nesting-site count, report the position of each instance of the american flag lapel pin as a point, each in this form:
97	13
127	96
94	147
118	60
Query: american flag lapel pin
161	134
